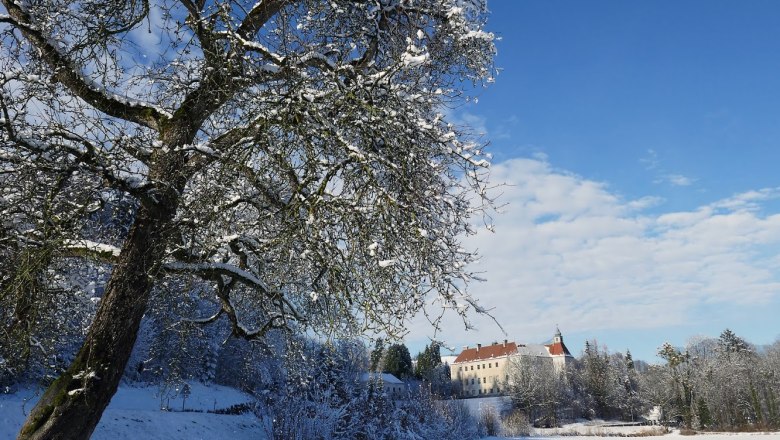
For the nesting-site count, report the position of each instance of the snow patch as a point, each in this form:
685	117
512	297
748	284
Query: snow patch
387	263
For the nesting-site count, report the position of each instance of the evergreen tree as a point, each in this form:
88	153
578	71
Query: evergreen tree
729	342
398	361
376	354
427	361
629	360
705	419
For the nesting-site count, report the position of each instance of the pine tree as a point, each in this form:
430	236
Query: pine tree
376	355
629	360
427	361
705	419
398	361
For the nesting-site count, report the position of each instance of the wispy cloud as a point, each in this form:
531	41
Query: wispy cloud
678	180
652	163
650	160
477	123
569	249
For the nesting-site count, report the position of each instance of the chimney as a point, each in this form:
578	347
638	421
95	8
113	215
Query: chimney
478	347
504	342
465	347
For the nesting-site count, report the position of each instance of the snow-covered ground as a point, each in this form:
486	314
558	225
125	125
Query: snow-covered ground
592	431
135	413
598	428
477	405
707	436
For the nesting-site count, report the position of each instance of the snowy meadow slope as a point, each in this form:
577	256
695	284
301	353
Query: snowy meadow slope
135	413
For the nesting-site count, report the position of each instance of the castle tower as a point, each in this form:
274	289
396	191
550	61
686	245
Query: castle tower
558	351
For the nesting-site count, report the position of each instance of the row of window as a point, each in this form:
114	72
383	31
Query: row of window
489	365
490	391
484	380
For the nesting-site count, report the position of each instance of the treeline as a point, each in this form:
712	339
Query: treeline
597	385
722	383
427	367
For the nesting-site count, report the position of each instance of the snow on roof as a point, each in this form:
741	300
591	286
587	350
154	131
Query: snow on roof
538	350
487	352
384	377
448	359
506	348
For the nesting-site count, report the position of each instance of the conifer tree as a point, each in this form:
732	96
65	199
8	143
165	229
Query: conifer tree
398	361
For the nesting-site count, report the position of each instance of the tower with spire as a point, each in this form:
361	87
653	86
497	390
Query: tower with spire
558	351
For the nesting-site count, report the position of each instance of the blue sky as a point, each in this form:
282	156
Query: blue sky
640	142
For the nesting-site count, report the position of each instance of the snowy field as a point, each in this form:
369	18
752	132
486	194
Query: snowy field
134	413
590	431
675	434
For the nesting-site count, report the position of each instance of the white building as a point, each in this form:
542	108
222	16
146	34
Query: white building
392	386
481	370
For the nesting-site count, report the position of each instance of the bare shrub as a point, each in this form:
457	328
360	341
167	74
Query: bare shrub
489	421
652	432
516	424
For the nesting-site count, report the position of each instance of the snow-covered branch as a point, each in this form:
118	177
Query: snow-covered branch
259	15
90	249
212	269
71	77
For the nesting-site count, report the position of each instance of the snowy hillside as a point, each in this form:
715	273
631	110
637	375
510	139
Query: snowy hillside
135	413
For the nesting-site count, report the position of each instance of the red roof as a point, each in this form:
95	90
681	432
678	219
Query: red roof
486	352
557	349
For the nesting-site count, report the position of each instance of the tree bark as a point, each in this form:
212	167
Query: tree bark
71	407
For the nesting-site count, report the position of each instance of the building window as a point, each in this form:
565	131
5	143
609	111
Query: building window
490	365
472	368
460	368
484	380
477	366
472	381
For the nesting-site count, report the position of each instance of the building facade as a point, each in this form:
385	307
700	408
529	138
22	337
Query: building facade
483	370
393	387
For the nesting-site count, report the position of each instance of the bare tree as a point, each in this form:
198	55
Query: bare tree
290	155
537	389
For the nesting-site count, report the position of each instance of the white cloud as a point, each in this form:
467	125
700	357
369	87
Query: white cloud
570	251
652	163
678	180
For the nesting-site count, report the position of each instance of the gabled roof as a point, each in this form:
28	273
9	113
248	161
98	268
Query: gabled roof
384	377
536	350
487	352
558	349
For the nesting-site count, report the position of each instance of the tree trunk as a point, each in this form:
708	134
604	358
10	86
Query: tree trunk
71	407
